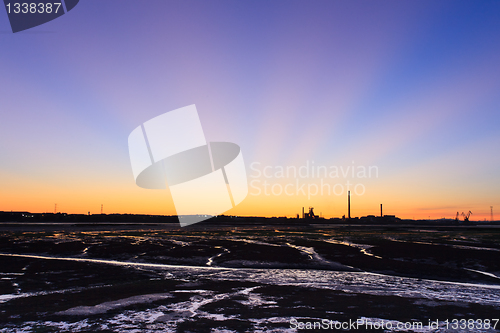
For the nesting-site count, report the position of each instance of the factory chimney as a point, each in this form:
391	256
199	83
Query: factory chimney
381	215
349	204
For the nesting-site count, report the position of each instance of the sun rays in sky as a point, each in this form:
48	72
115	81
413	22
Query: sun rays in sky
410	87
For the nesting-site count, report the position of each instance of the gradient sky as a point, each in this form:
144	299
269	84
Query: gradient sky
412	87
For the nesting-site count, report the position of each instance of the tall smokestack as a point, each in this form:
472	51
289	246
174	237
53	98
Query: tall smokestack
349	204
381	215
302	212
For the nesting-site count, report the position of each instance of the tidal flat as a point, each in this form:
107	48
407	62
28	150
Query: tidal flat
245	279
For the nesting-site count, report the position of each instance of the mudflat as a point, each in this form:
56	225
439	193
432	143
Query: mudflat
246	279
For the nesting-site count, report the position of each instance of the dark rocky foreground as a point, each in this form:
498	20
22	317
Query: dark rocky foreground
248	279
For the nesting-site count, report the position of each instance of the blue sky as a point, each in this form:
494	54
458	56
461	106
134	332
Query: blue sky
412	87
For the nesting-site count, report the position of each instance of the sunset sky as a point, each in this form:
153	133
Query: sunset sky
409	87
